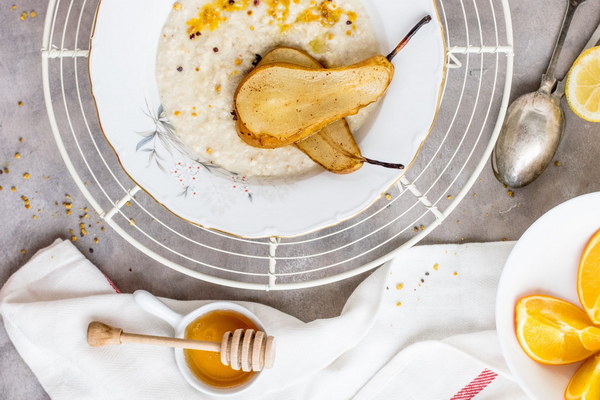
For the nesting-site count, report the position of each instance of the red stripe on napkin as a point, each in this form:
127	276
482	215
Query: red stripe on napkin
476	385
112	284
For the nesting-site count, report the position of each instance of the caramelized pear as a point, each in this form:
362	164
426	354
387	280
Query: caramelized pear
279	104
333	147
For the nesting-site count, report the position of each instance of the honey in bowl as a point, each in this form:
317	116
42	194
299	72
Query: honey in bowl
207	366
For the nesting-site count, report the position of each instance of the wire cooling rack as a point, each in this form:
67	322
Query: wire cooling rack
475	95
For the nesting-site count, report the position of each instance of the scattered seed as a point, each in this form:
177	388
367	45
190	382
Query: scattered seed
73	238
400	286
23	16
6	170
557	163
511	193
179	68
398	304
17	155
32	14
436	267
91	250
26	175
23	251
177	6
13	189
20	103
388	196
128	204
96	240
216	49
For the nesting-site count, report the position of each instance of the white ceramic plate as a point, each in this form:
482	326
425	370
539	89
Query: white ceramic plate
122	72
545	261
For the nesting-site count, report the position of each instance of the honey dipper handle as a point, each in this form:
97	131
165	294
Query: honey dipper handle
170	342
100	334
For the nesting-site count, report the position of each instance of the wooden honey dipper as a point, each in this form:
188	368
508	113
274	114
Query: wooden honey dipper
248	350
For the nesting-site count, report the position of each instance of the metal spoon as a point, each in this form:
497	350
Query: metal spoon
534	124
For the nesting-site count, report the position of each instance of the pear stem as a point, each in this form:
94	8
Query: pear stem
424	21
383	164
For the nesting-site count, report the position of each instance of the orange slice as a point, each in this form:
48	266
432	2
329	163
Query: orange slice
585	384
588	278
553	331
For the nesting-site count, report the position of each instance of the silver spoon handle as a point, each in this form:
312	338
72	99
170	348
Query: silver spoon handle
593	42
548	79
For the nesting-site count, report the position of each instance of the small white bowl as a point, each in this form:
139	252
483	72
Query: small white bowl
179	322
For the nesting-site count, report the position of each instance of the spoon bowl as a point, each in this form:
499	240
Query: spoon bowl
531	133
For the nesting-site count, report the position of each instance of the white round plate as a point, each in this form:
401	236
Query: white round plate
545	261
122	72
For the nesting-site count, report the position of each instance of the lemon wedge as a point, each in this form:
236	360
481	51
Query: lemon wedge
583	85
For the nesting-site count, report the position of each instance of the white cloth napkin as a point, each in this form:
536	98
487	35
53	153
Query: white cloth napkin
444	291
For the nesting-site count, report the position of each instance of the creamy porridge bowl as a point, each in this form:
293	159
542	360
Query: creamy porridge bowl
163	77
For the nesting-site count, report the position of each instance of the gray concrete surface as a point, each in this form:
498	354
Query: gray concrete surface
487	214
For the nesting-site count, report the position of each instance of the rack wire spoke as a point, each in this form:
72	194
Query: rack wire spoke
474	101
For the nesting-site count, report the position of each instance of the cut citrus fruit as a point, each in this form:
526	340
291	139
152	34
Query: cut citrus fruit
585	384
553	331
588	278
590	338
583	85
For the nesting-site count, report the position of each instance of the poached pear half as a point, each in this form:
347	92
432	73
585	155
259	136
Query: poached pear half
333	147
281	103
